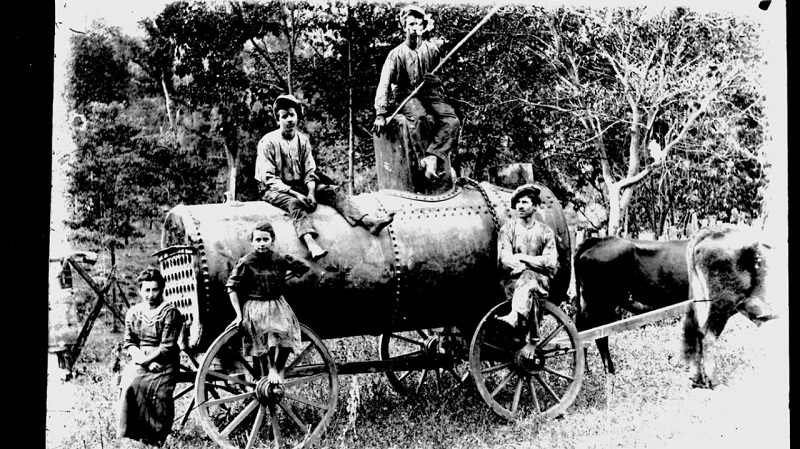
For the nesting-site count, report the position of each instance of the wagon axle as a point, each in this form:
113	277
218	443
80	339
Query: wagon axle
268	393
527	364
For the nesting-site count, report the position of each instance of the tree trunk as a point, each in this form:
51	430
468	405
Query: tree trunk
233	163
290	39
350	123
614	208
624	202
167	103
112	250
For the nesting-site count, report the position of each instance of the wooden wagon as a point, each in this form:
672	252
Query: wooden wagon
428	288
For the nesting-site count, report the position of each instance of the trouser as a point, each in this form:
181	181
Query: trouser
445	130
325	194
528	289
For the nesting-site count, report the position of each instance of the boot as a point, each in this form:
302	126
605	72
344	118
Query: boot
375	224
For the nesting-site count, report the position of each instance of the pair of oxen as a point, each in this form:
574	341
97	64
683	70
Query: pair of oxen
721	269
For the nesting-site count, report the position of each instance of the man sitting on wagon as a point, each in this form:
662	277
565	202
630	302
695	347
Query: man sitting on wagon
528	256
287	171
406	67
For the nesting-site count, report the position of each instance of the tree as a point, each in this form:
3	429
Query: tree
643	107
105	184
97	73
647	80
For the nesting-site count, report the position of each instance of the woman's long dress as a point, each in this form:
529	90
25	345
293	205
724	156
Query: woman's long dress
146	407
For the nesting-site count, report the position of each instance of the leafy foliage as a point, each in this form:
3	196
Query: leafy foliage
106	176
97	72
658	113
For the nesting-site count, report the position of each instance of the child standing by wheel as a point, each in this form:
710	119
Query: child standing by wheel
255	287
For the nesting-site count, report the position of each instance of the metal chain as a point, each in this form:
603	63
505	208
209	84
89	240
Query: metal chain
476	184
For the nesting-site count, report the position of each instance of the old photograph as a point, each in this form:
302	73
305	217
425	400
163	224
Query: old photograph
418	224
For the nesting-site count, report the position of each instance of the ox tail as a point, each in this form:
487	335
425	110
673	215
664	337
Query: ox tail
577	304
577	301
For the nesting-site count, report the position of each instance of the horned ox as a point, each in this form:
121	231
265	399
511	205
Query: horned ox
727	271
636	275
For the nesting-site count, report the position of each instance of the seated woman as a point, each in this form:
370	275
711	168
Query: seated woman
152	327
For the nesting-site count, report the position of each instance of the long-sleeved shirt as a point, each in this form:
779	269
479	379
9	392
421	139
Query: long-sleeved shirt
282	164
261	276
538	241
157	329
402	72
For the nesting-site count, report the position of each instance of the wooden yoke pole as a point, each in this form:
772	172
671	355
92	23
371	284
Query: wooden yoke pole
441	63
101	291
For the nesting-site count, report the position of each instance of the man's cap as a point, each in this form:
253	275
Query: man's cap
525	190
427	21
287	101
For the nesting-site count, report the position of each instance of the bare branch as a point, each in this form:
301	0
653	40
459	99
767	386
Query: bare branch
602	131
265	55
639	177
541	105
237	7
704	104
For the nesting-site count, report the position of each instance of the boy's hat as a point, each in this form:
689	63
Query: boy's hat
287	101
525	190
427	21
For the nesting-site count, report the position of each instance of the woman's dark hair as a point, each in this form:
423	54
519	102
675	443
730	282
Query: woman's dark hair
263	226
149	275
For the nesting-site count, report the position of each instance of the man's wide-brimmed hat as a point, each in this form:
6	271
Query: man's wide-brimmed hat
427	20
287	101
525	190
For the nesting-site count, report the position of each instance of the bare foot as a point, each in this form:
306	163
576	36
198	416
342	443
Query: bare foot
317	251
275	381
274	378
315	255
510	319
529	350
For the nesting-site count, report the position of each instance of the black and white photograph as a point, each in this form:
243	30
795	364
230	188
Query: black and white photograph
358	224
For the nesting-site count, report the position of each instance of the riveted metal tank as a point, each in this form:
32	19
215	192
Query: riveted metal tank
434	266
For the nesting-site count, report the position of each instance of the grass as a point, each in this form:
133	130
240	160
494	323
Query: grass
647	404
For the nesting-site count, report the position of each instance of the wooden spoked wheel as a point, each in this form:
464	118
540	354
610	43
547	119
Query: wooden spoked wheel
184	396
238	409
514	385
436	358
